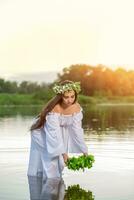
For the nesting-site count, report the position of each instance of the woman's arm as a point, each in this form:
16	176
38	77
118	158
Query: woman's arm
54	140
77	143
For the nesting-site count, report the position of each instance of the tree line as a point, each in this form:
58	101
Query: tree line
25	87
100	80
95	80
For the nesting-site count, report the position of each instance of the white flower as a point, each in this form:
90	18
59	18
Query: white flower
60	89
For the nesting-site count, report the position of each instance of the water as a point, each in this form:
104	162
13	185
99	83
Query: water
109	135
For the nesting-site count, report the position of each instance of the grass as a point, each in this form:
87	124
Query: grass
41	98
18	99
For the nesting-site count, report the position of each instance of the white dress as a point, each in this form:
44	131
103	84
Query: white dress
61	134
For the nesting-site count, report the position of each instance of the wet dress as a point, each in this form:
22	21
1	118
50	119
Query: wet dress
60	134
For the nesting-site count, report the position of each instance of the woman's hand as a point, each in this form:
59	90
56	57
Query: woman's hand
85	154
65	157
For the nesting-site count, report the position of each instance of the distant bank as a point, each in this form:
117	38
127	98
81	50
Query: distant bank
34	99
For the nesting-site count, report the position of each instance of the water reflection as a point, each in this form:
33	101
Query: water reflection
10	111
109	118
96	118
54	189
48	189
75	192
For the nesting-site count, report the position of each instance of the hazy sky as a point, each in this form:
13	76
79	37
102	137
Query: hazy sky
47	35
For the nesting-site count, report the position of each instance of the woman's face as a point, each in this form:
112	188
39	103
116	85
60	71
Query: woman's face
68	97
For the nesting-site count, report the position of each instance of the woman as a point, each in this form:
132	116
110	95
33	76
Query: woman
56	132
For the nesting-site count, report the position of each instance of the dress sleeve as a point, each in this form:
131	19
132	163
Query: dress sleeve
37	136
77	135
54	140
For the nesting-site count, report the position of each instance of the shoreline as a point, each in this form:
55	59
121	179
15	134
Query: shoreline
97	104
32	100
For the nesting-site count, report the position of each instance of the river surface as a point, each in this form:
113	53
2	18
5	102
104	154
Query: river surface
109	135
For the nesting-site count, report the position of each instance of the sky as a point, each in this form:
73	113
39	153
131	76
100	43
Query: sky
38	36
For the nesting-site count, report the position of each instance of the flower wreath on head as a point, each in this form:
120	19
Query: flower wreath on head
60	89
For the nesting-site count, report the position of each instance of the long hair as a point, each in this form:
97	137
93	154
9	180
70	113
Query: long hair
41	118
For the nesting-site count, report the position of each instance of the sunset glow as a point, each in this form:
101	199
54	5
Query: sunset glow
49	35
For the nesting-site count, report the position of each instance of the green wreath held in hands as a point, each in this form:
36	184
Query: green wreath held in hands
80	162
